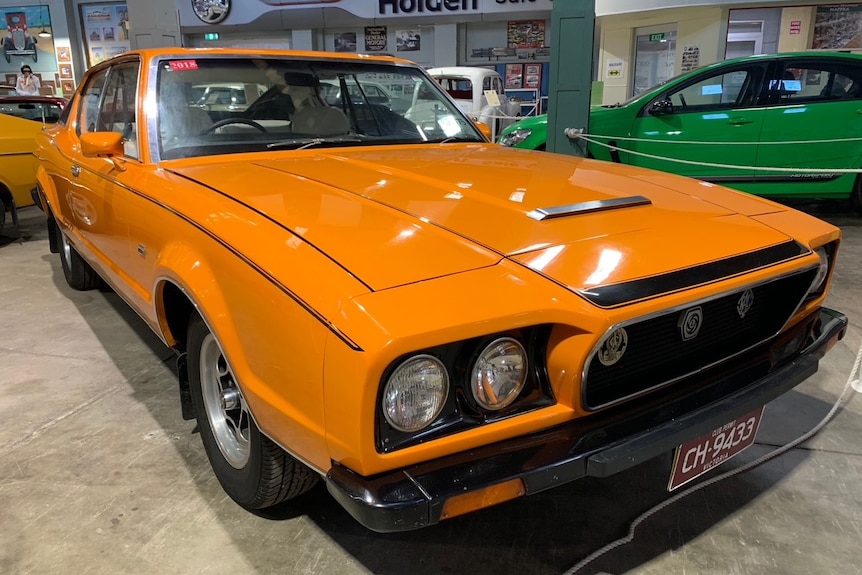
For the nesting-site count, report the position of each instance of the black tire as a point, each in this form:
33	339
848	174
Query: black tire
253	471
3	209
78	273
856	195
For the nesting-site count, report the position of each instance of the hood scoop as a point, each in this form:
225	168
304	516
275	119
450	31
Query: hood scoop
541	214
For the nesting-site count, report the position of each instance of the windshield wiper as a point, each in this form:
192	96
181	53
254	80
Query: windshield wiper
453	139
303	143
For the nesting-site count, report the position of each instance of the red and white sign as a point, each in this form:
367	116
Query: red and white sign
180	65
796	26
696	457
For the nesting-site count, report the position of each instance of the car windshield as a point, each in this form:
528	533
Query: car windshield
301	100
39	111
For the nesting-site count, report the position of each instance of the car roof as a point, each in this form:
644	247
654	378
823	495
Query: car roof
176	52
468	72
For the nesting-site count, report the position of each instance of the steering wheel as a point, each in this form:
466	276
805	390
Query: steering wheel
228	121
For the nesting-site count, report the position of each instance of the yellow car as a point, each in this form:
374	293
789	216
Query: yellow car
17	165
427	322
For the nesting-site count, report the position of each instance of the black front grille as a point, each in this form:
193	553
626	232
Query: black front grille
657	353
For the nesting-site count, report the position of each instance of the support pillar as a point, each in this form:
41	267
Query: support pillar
154	24
573	25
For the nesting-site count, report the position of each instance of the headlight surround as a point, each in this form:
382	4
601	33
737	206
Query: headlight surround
514	137
499	374
415	393
822	271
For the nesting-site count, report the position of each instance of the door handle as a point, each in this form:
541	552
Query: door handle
76	170
739	121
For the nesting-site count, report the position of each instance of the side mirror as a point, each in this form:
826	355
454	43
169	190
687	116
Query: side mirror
102	145
661	108
484	128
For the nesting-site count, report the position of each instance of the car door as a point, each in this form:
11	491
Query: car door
100	187
813	122
697	125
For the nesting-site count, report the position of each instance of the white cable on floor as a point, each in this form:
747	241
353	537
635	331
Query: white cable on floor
852	383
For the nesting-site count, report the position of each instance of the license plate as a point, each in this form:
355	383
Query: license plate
694	458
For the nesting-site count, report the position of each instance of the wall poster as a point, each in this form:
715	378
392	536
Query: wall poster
407	41
690	58
375	39
838	27
345	42
533	76
106	31
514	76
28	39
525	34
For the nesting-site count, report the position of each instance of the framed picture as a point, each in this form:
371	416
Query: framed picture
65	70
64	54
11	79
514	76
533	76
68	87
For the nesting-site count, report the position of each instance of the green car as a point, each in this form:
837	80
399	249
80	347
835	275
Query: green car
786	125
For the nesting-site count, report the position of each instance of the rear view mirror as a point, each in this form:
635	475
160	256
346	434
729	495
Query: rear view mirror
661	108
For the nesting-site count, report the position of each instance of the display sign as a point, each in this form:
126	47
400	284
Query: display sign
29	39
838	27
375	39
106	31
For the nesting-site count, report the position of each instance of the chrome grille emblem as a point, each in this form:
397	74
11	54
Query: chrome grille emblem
746	300
690	322
613	347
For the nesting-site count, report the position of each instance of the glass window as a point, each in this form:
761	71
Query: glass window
816	81
91	95
655	60
117	109
731	89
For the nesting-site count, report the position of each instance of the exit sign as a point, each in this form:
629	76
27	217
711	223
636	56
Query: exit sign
657	37
211	36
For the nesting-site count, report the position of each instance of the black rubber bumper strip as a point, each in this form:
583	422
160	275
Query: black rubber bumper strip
599	445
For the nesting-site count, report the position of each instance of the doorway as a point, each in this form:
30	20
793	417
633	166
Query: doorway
655	56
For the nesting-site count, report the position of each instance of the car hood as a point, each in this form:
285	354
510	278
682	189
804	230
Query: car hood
402	214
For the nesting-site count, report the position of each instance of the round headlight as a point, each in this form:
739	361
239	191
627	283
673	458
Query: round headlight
499	374
514	137
415	393
822	270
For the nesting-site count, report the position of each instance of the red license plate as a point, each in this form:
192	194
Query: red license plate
696	457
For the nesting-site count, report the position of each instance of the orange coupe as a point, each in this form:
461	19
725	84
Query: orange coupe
428	322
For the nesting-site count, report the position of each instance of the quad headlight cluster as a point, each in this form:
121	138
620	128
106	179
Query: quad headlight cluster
461	385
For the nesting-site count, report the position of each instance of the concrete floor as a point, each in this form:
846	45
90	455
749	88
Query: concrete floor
100	475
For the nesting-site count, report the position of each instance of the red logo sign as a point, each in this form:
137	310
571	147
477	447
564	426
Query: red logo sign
180	65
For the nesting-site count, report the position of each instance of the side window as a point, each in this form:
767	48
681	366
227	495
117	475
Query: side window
816	81
90	96
722	91
117	109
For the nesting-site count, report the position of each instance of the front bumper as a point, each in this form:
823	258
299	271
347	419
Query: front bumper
596	446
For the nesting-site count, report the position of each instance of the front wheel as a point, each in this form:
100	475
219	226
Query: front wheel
252	469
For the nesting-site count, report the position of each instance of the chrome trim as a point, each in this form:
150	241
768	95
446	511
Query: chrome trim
541	214
679	308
